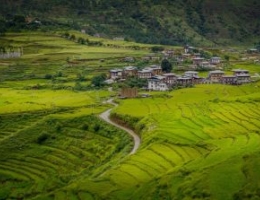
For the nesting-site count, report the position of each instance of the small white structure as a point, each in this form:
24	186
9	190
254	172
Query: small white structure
157	83
109	81
215	60
240	71
243	78
116	74
197	60
205	64
191	73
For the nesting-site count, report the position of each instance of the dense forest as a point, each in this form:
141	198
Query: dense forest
148	21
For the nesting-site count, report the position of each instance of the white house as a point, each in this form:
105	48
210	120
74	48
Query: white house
191	73
157	83
215	60
116	73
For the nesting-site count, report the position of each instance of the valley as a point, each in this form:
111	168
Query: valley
196	142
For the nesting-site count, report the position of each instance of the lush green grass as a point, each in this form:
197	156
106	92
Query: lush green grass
28	100
46	53
197	143
193	149
195	134
253	68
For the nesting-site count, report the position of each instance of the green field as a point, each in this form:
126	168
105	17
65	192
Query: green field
198	140
197	143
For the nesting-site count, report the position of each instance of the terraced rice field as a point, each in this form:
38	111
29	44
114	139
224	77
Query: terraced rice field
192	149
182	134
47	165
197	143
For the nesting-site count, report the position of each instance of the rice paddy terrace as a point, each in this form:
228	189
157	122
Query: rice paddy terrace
50	134
200	143
196	143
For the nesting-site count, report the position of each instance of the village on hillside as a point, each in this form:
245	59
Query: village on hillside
158	80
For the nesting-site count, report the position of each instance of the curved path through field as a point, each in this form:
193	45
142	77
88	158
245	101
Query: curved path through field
105	116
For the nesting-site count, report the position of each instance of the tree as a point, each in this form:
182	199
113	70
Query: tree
80	77
135	82
81	40
166	66
226	57
66	35
257	46
157	48
98	81
2	27
73	37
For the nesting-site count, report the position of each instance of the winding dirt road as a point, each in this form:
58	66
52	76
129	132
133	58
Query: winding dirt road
105	116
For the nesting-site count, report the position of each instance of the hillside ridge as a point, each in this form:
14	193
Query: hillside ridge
158	22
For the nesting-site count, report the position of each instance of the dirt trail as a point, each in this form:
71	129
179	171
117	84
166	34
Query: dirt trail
105	116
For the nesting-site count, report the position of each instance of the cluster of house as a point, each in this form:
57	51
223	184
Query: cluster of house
157	80
191	58
11	53
198	61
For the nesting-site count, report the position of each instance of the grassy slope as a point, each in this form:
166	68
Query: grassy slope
202	137
198	143
50	135
189	139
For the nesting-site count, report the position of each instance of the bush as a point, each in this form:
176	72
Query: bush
58	127
157	48
84	127
98	81
42	138
48	76
96	128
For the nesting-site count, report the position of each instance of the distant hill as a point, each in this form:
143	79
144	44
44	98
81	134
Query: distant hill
148	21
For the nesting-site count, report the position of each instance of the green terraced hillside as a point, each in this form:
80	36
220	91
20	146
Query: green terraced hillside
196	143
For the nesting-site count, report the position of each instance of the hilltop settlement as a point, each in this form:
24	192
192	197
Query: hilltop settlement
160	80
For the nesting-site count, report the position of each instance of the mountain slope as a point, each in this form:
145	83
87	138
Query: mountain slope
149	21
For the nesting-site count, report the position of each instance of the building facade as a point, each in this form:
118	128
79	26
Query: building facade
157	83
215	76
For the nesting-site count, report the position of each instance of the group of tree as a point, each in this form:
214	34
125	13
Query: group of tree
81	40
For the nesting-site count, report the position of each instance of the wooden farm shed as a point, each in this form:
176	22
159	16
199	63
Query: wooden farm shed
128	92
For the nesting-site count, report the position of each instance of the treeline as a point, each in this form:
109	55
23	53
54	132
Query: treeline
158	22
17	23
81	40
